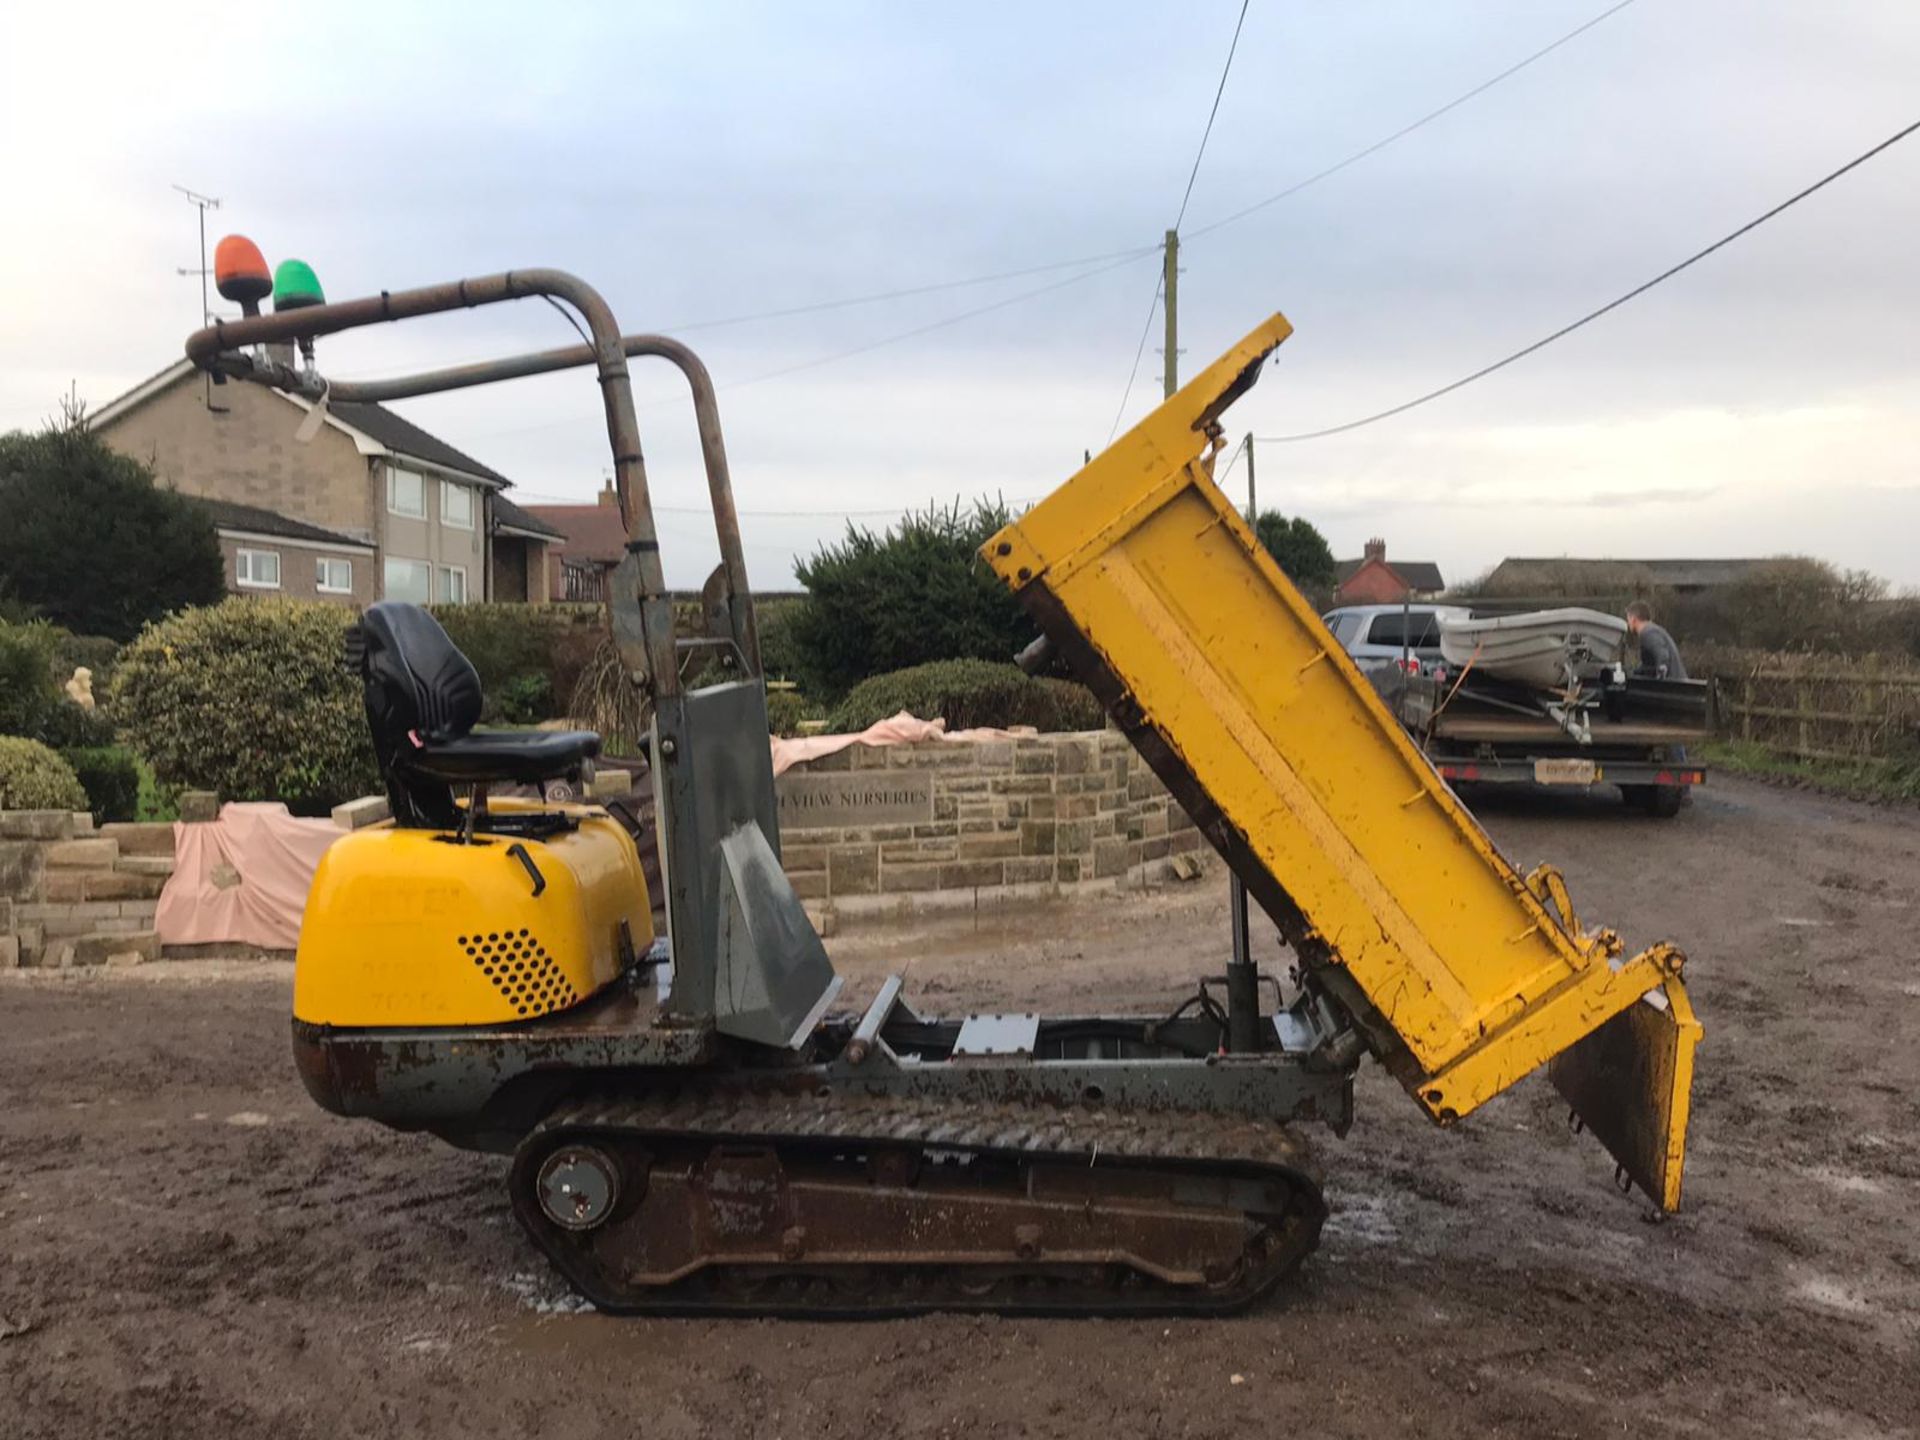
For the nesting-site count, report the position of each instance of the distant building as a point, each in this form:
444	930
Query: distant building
371	508
1562	575
594	540
1370	580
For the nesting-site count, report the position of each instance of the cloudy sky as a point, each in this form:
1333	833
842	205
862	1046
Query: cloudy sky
703	162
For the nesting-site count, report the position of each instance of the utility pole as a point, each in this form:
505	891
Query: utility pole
1170	286
1243	979
1253	510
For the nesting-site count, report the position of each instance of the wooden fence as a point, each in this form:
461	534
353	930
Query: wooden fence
1819	707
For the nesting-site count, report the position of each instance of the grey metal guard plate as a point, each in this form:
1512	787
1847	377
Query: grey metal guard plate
997	1035
774	980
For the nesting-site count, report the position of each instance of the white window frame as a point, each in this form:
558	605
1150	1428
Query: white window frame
394	472
243	569
443	573
453	487
320	565
386	578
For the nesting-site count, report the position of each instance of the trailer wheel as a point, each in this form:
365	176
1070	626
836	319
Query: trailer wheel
1665	801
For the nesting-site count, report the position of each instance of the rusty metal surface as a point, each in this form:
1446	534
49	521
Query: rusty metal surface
760	1202
206	348
480	1087
736	599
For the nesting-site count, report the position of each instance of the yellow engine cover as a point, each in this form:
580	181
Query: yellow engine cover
404	928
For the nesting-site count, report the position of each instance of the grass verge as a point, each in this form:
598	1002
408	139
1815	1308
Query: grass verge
1882	779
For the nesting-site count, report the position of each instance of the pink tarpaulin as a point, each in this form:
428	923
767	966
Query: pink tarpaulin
902	729
242	879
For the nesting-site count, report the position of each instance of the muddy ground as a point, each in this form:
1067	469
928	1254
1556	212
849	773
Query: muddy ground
188	1247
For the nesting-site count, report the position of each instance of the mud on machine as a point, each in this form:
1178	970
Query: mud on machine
695	1129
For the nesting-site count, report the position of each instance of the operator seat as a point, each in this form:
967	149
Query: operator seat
423	699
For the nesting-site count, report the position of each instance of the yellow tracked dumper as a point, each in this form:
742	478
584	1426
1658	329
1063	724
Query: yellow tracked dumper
695	1128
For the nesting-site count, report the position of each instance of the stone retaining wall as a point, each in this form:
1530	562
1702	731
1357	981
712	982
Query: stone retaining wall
1026	816
72	896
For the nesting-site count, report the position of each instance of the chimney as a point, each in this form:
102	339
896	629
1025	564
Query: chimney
609	495
1377	550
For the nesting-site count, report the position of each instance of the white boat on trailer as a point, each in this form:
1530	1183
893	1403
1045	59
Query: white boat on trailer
1546	649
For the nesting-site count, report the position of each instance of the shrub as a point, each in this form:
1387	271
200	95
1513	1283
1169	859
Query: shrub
28	694
525	699
968	693
32	777
605	701
1300	550
96	652
780	655
92	541
918	593
785	710
513	645
1074	704
250	698
111	777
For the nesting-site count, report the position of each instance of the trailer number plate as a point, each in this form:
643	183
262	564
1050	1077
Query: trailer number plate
1565	772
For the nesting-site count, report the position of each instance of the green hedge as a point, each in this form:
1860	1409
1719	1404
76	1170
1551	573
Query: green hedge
914	595
529	657
251	698
33	663
969	693
110	775
32	777
27	690
785	710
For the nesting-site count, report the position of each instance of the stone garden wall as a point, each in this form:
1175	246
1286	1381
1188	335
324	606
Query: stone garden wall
872	827
74	895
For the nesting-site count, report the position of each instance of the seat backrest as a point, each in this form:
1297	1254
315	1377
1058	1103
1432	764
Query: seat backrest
419	689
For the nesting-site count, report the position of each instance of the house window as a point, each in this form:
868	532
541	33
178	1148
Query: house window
257	569
410	580
333	577
456	505
406	492
453	584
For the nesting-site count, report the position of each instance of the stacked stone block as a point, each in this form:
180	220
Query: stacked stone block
71	896
1020	815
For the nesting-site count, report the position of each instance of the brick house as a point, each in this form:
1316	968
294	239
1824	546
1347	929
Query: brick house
1370	580
595	542
372	507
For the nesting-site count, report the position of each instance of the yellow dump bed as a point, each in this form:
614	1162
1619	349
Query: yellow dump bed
1464	974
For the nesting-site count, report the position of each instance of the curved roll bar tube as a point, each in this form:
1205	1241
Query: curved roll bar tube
648	647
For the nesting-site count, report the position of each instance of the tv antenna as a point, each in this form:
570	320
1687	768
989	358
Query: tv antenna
202	203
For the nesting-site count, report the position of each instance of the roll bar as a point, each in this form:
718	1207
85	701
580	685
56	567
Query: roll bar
643	620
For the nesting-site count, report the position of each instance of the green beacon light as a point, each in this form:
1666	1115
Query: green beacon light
296	287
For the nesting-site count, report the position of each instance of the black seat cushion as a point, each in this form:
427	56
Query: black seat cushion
419	687
522	757
423	699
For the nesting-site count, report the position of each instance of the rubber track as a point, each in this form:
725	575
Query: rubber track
1186	1141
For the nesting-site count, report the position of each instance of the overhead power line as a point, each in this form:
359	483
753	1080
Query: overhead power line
1117	256
908	292
1610	306
1405	130
1127	257
1139	350
1206	134
1160	284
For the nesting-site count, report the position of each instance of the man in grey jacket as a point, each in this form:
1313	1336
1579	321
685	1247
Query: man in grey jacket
1659	656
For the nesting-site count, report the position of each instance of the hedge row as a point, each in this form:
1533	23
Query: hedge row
969	694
